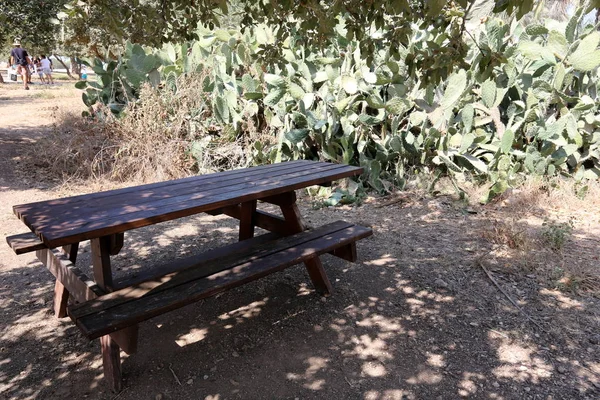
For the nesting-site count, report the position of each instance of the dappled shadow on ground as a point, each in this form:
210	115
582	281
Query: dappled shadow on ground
21	125
416	318
25	117
17	100
13	143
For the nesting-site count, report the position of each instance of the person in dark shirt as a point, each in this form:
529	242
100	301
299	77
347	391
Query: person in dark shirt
20	58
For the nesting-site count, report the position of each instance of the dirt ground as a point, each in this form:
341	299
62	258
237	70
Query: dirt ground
448	300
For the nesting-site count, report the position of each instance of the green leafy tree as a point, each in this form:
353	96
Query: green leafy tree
32	22
386	24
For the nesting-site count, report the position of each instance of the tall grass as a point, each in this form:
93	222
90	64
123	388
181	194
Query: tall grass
159	137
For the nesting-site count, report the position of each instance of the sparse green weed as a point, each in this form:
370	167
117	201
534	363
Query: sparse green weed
555	233
349	193
44	94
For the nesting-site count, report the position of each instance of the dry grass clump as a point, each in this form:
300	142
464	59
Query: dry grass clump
154	134
559	192
580	281
166	134
550	227
76	148
511	234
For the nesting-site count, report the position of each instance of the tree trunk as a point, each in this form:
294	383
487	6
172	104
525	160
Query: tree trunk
64	65
75	66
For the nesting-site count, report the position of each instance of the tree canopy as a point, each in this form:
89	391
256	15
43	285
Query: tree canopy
98	24
152	21
101	27
31	21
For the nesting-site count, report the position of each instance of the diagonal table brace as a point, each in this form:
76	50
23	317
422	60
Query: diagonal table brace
293	220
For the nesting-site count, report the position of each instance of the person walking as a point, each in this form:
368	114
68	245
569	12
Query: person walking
20	58
47	69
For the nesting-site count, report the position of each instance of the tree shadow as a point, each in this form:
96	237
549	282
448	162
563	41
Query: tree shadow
416	318
13	144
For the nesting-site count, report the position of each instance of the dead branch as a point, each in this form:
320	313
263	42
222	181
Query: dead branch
514	303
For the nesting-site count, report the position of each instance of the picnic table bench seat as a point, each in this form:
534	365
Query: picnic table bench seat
25	243
216	271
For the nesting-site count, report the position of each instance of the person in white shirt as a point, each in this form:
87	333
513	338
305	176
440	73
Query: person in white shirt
46	69
38	68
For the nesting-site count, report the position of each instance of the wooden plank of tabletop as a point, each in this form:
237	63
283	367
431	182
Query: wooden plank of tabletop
182	203
142	191
123	203
58	235
129	207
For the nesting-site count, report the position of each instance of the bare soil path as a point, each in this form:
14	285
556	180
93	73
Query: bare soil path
417	317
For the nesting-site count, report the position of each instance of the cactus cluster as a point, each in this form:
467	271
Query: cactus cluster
527	103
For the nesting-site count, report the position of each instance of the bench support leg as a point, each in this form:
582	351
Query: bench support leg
111	360
127	339
347	252
293	219
319	278
116	243
102	248
61	298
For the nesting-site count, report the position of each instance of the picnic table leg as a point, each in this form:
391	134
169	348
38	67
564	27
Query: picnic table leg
247	222
111	361
61	294
293	219
116	243
102	248
61	299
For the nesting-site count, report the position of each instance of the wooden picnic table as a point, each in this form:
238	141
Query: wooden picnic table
110	309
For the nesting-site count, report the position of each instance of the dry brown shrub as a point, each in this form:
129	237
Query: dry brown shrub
164	135
77	148
533	224
153	137
511	234
168	135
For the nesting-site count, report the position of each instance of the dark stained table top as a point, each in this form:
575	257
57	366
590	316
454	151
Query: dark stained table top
74	219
